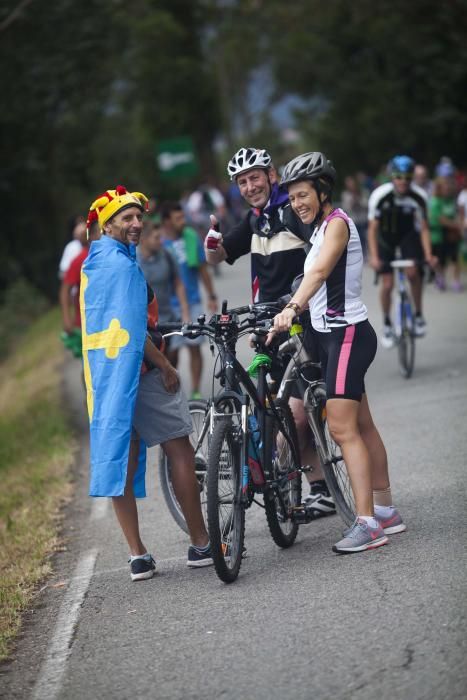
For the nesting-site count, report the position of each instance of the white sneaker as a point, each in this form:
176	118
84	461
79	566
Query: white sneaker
420	326
387	337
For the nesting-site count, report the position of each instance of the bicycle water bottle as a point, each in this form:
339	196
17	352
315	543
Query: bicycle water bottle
254	447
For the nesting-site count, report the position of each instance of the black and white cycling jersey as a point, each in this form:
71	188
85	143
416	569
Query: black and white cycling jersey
338	301
398	215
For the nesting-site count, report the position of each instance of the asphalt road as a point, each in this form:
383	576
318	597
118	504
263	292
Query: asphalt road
302	624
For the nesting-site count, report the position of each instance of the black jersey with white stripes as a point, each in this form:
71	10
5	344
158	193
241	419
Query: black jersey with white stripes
398	215
278	242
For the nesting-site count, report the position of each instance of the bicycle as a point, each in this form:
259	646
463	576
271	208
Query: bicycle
253	444
284	513
314	399
405	325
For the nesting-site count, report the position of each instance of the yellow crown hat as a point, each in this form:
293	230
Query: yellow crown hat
113	201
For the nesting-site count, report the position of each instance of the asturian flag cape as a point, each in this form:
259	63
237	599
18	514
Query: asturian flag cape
113	301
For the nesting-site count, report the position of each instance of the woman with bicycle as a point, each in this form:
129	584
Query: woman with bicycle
331	287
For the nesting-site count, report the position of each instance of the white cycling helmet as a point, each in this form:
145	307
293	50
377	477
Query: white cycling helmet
246	159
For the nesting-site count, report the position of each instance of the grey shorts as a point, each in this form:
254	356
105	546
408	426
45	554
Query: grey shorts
178	341
159	416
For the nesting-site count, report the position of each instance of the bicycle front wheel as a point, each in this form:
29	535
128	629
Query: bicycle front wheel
225	508
199	438
406	346
280	500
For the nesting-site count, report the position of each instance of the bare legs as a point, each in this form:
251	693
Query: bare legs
182	465
308	453
125	506
180	453
352	427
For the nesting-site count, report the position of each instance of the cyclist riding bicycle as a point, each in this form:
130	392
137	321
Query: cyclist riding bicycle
397	214
331	288
278	242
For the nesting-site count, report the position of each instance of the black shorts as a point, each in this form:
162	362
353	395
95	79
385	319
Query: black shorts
446	252
410	247
346	353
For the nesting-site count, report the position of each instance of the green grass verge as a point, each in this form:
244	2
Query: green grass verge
36	452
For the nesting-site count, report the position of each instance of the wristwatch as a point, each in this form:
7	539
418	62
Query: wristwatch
293	305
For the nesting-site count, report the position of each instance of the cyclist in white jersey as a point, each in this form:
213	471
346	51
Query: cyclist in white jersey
331	288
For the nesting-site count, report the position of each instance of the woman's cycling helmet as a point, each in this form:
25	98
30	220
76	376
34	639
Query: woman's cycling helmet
402	164
309	166
246	159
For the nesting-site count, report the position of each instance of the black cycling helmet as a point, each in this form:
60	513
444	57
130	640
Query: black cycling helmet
316	167
309	166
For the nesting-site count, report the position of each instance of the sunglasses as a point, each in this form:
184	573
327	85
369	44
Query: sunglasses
402	176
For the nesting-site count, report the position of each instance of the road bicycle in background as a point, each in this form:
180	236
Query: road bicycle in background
404	328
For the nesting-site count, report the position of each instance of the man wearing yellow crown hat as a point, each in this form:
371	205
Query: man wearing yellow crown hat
133	393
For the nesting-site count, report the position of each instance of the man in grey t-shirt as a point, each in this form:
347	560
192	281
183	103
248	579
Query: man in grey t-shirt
161	272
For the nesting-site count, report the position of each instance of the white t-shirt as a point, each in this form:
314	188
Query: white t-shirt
72	249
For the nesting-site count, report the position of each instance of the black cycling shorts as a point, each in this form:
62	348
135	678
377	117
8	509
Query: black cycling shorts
410	247
346	353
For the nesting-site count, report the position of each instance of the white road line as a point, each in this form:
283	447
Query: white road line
99	508
51	674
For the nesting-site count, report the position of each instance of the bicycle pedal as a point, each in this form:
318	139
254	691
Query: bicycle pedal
301	516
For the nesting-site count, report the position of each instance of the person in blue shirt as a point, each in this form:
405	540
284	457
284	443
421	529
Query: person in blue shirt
184	244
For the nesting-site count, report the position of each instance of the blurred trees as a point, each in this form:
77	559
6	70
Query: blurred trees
89	88
391	75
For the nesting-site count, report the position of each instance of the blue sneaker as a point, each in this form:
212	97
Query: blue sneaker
142	568
198	558
359	537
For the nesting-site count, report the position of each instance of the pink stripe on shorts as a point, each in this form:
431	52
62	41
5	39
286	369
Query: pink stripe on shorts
344	357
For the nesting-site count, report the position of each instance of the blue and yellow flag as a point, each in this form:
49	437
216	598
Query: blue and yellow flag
113	300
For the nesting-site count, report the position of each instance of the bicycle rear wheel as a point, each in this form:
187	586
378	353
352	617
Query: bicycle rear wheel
225	508
285	469
406	345
199	416
333	465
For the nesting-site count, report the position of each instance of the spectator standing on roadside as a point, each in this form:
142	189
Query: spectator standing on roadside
69	290
355	203
77	229
133	393
421	179
184	243
161	272
446	231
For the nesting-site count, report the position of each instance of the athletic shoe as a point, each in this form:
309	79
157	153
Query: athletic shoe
393	524
142	567
420	326
387	337
457	286
197	559
319	501
440	282
359	537
196	395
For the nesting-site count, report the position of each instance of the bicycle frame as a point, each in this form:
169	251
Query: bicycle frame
313	392
404	307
